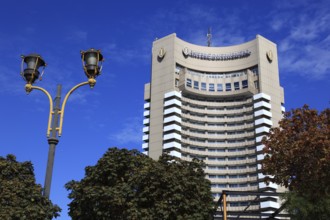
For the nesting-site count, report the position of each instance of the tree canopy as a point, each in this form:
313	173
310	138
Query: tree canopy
126	184
20	196
298	157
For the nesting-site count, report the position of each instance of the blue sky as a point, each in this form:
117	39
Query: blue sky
111	113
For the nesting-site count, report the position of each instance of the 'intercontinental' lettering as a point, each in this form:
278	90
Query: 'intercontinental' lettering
208	56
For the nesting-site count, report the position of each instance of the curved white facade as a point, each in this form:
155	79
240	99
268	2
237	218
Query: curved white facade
215	104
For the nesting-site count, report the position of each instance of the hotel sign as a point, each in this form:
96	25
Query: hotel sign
211	56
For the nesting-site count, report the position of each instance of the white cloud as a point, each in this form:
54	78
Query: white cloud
308	28
305	48
77	36
11	81
130	55
130	132
123	55
277	24
78	96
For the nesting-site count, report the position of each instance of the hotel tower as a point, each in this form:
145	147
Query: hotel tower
215	104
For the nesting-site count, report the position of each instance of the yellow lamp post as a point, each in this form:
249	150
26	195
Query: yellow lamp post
92	61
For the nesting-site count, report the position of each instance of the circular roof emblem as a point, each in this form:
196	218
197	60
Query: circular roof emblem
270	56
185	51
161	53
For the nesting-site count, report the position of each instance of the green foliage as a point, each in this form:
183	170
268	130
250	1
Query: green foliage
20	196
302	208
129	185
298	156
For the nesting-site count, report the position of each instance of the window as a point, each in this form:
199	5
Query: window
255	71
176	82
228	87
256	84
219	88
177	70
196	85
235	196
203	86
188	83
211	87
236	85
244	84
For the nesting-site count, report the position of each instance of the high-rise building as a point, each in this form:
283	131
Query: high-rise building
215	104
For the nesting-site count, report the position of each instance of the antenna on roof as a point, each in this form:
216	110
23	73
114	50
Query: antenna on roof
209	37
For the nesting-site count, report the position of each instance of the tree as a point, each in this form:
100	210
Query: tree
301	207
298	157
20	196
126	184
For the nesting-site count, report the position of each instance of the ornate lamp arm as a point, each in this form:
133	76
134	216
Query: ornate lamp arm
29	88
91	82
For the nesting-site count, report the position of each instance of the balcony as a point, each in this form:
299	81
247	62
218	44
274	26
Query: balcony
262	130
261	96
146	121
263	112
174	127
146	113
145	137
172	111
146	105
145	129
263	121
172	144
172	136
145	146
175	153
173	118
172	94
172	102
219	104
262	104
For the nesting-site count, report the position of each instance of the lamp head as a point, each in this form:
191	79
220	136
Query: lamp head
32	64
92	62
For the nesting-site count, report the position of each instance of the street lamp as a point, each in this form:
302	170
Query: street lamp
92	61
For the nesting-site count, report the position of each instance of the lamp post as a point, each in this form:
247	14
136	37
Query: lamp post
92	61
